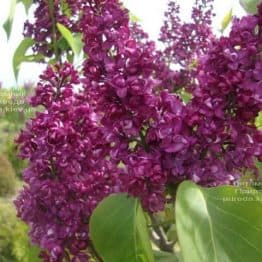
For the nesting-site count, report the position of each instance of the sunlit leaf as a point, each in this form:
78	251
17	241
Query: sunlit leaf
226	20
219	224
250	6
259	121
74	42
134	18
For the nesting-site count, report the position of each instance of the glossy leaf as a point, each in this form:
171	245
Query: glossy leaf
74	42
219	224
119	231
20	55
250	6
9	22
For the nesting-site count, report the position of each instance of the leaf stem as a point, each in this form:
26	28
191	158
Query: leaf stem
94	253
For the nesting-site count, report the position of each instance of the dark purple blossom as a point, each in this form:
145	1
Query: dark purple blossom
185	41
228	98
124	130
68	173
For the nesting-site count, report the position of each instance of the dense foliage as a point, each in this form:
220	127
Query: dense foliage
128	122
14	243
14	111
7	177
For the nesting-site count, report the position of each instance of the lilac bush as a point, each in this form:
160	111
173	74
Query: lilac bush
185	41
43	29
119	126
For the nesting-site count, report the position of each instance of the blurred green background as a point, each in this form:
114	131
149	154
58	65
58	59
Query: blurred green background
15	245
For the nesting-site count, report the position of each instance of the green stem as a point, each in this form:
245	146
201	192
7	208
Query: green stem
143	141
54	31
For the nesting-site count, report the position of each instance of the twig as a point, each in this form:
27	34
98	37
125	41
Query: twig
94	253
53	20
162	241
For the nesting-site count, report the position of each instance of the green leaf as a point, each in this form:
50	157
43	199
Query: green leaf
20	55
259	121
14	241
62	44
172	233
259	167
9	22
250	6
78	43
27	4
221	224
161	256
66	8
226	20
75	43
134	18
119	231
186	97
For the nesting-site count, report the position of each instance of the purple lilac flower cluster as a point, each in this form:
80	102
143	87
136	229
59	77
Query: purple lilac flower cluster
68	172
43	28
124	130
121	81
228	98
185	41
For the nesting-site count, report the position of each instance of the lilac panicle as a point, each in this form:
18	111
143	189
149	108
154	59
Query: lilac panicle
47	14
119	127
68	173
185	41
